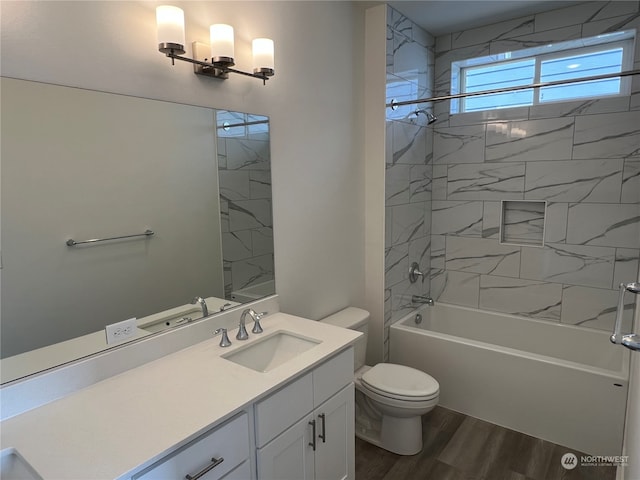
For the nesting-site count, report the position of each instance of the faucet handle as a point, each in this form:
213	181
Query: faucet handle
414	273
242	332
257	328
223	307
224	341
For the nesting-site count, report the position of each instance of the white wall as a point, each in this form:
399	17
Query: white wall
313	101
375	90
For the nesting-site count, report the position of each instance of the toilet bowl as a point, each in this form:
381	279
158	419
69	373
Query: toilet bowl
390	398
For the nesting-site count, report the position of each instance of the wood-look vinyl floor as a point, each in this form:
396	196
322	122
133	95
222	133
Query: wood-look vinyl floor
458	447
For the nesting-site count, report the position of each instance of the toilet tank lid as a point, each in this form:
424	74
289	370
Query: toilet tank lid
350	317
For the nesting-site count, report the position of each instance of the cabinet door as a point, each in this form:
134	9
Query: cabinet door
335	454
243	472
289	456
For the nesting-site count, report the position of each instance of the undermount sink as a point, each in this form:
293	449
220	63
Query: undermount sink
14	467
271	351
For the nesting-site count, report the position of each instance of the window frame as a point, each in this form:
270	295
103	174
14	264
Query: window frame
624	40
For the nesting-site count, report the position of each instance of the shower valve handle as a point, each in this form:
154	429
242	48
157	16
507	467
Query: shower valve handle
414	273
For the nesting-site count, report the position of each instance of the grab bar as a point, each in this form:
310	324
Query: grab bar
72	243
629	340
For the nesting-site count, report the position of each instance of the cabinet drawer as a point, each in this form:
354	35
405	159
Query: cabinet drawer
229	442
332	376
278	412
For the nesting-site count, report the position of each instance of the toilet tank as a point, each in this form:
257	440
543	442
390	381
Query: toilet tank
354	319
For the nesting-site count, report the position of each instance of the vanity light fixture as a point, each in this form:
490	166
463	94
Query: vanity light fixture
214	60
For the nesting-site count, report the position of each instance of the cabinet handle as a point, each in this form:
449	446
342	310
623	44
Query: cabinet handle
205	470
312	443
324	429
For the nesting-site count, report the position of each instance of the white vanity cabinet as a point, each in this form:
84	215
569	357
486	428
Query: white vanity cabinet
261	423
306	429
221	453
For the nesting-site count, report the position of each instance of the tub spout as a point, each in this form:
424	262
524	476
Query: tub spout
422	299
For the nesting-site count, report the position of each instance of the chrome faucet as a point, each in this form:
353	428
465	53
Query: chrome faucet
422	299
242	330
257	328
203	305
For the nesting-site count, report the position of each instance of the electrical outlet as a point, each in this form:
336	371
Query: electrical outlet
124	330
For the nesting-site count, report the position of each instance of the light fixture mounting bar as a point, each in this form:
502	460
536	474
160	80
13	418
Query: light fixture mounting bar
218	70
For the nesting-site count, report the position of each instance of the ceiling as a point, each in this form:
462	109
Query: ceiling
445	16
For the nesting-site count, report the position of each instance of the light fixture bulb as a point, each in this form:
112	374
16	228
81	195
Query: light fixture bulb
170	25
222	47
263	53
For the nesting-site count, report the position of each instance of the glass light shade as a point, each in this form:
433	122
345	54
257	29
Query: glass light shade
263	55
170	24
221	37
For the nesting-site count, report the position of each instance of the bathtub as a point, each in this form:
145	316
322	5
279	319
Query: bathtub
254	292
561	383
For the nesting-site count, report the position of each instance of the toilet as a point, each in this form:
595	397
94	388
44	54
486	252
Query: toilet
390	399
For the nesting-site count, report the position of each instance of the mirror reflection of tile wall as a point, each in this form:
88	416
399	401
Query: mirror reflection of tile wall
244	168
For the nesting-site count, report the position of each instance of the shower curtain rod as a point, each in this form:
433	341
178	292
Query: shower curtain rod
393	104
244	124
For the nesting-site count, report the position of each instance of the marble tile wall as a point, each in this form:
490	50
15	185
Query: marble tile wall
582	158
408	177
244	176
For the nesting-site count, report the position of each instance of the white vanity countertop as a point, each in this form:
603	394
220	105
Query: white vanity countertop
111	428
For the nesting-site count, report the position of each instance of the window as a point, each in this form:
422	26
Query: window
234	124
610	53
492	76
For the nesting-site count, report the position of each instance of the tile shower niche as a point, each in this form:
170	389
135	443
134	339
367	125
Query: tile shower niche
522	223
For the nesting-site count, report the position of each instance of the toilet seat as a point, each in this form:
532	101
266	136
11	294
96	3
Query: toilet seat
400	382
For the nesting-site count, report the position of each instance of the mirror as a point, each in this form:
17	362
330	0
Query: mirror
80	165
